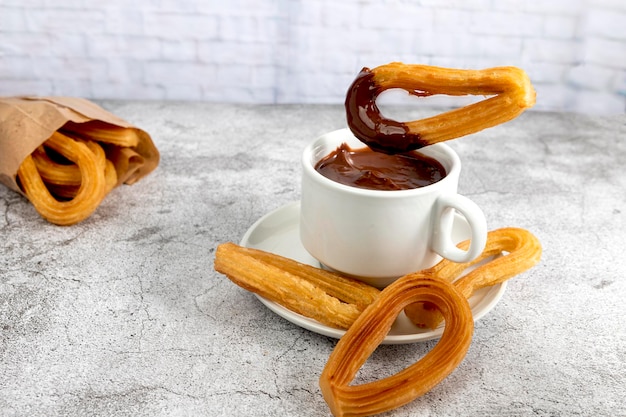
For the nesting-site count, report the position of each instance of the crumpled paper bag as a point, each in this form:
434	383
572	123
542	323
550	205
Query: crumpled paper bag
27	122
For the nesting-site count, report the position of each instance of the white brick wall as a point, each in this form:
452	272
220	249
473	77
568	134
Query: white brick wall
281	51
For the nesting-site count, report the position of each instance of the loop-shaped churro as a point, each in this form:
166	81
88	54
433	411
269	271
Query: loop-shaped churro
67	192
520	250
53	172
369	330
64	180
90	192
510	87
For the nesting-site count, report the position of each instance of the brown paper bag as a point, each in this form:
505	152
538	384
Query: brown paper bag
27	122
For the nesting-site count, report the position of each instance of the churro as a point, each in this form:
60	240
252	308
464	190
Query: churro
509	88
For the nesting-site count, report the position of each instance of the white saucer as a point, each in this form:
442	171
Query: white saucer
278	232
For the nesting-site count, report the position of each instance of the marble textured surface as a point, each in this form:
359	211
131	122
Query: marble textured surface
123	315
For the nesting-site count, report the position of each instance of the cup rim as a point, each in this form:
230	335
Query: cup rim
309	169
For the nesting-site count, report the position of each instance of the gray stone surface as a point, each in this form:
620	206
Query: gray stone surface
123	315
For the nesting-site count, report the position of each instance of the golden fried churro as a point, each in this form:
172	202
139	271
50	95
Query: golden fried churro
130	149
369	330
523	251
68	191
64	180
509	87
89	195
103	132
65	187
325	296
53	172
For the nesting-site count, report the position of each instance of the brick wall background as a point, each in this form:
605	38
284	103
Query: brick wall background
284	51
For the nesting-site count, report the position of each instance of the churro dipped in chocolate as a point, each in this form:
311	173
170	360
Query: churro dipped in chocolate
509	87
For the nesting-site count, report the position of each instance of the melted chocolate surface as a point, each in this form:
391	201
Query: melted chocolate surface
365	168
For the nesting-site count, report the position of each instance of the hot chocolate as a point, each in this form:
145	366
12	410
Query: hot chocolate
365	168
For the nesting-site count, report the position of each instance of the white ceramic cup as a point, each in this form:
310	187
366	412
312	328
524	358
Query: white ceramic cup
378	236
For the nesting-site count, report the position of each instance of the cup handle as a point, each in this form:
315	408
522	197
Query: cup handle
442	243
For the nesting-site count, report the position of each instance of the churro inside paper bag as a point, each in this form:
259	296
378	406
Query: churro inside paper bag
66	154
27	122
